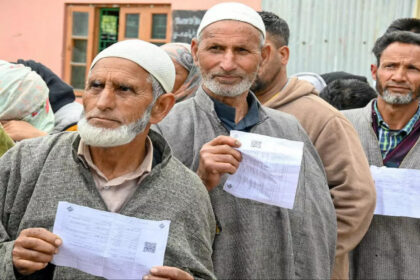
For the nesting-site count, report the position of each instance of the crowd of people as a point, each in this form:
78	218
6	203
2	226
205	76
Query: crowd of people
152	141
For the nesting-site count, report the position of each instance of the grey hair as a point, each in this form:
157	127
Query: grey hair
405	37
157	88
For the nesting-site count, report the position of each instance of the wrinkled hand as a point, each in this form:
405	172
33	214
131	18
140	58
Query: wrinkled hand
167	273
218	157
34	249
19	130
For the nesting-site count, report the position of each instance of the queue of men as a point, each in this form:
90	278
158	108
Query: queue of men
137	154
334	138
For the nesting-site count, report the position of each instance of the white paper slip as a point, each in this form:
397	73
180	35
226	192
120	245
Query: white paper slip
269	170
108	244
397	191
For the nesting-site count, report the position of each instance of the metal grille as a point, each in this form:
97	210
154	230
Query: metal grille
336	35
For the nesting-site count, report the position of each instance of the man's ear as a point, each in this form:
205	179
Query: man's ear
162	106
194	49
284	53
265	54
373	70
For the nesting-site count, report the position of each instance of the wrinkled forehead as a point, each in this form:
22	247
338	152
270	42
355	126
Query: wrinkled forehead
401	52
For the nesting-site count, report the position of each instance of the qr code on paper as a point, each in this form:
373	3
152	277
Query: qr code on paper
149	247
256	144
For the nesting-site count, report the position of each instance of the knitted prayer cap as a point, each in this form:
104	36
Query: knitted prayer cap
150	57
232	11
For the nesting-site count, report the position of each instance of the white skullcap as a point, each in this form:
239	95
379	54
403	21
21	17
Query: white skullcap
150	57
232	11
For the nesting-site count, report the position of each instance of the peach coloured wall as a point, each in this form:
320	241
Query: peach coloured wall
32	29
178	4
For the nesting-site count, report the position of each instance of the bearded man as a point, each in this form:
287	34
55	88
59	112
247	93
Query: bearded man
256	240
113	163
389	129
333	136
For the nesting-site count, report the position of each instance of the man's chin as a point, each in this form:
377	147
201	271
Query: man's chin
105	137
396	98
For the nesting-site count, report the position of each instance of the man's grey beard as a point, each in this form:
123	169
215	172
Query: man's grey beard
228	90
112	137
397	98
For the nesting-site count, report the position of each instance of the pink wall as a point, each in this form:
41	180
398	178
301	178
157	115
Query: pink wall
35	30
178	4
30	31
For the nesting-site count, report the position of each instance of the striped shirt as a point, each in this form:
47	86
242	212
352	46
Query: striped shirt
388	138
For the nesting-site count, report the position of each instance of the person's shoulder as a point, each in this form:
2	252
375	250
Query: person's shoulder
278	115
45	144
50	139
180	118
280	120
281	125
182	106
36	151
184	178
353	113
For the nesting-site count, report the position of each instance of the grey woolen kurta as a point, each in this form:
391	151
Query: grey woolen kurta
391	247
38	173
259	241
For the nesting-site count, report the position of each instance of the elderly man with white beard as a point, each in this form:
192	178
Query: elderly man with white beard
113	163
255	240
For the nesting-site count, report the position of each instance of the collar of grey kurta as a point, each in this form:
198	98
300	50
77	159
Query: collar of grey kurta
205	102
227	114
161	150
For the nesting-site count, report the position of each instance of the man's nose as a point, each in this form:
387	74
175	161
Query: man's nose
106	99
228	63
399	75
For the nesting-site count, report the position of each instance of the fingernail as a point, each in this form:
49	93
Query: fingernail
237	143
153	270
57	242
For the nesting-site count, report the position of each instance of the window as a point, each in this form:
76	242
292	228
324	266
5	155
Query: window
92	28
79	45
159	26
108	27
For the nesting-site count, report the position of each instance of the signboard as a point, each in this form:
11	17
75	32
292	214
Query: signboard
185	24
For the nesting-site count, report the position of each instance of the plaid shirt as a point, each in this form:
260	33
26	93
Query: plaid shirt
388	138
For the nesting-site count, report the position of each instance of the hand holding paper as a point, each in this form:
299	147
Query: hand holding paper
108	244
218	157
34	249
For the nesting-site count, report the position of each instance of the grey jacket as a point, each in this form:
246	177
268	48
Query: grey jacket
259	241
391	247
38	173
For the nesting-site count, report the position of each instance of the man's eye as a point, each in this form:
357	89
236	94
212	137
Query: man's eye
215	48
125	88
95	84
